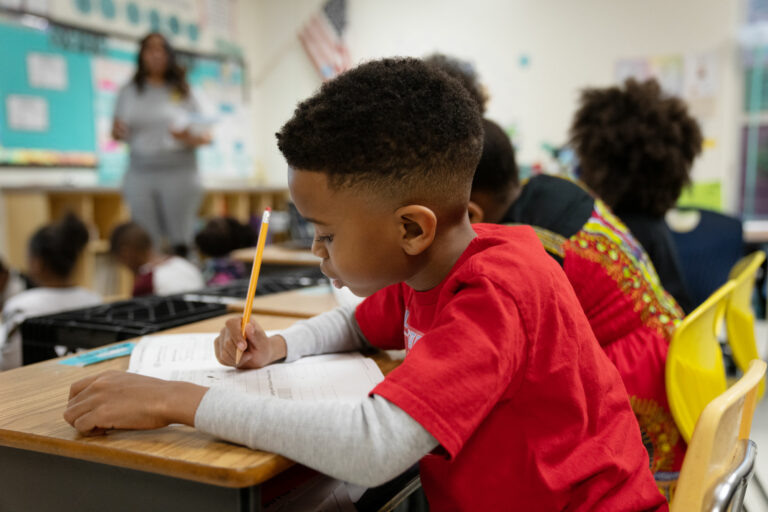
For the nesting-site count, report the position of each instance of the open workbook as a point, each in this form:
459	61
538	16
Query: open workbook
191	358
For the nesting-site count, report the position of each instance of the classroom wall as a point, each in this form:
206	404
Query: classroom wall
568	45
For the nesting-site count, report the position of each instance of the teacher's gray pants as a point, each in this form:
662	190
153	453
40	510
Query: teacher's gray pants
165	203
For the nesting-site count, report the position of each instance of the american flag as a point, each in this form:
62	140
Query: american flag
323	39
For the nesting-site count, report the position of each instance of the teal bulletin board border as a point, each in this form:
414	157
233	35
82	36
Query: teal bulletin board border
71	112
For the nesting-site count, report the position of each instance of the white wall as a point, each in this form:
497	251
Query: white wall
571	44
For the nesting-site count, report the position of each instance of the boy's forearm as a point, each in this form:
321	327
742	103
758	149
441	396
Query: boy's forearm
181	402
334	331
366	443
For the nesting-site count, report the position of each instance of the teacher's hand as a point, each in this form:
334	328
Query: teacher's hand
189	139
119	130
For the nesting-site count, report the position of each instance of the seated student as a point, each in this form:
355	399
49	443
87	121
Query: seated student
636	147
216	240
463	71
11	283
52	254
504	395
154	273
631	315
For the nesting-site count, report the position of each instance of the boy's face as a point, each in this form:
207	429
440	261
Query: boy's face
357	236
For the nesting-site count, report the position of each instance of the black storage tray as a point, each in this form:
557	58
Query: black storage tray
108	323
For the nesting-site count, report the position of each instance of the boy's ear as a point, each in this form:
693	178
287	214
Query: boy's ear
418	226
476	213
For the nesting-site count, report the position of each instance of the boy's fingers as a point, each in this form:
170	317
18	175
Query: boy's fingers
81	384
86	424
228	354
76	409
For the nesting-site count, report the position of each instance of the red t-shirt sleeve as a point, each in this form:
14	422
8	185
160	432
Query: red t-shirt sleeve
457	372
380	318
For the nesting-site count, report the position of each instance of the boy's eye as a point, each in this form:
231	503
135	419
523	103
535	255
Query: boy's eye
324	238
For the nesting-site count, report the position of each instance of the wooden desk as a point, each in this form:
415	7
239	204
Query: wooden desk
46	465
276	255
302	303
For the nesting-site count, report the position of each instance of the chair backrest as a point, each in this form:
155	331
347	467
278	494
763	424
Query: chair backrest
695	373
718	462
739	317
707	252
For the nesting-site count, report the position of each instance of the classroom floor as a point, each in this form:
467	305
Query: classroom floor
759	433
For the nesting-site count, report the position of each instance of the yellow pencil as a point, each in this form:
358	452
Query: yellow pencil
254	276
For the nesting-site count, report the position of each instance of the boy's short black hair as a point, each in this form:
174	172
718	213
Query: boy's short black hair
129	234
497	171
635	146
464	72
396	126
222	235
58	245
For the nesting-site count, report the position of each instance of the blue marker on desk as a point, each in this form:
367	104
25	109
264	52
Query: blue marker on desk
102	354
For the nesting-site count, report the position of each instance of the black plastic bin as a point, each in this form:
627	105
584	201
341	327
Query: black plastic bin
100	325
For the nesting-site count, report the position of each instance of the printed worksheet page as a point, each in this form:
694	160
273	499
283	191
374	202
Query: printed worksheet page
191	358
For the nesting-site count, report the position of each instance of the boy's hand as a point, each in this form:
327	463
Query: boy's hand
120	400
258	349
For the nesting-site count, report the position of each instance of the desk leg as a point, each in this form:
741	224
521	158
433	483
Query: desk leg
43	482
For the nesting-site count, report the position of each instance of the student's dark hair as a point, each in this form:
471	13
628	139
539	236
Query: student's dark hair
58	245
222	235
635	145
497	171
175	74
397	126
129	234
464	72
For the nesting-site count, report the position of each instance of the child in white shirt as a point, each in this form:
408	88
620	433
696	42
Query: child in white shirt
53	252
154	273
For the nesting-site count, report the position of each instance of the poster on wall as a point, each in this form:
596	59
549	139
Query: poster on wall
47	71
667	70
693	77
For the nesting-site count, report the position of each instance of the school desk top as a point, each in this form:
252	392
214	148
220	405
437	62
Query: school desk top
277	255
32	401
302	303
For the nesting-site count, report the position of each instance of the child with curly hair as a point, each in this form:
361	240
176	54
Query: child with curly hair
636	146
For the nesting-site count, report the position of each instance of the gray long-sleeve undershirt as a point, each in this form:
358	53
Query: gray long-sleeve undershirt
367	442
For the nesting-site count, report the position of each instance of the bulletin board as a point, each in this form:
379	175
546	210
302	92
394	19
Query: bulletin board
58	89
46	101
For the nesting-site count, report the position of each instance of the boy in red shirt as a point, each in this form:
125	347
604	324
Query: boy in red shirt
504	395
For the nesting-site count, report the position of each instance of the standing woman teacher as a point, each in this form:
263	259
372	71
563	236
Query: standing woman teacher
153	113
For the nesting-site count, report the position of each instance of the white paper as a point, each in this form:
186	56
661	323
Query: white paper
47	71
27	113
191	358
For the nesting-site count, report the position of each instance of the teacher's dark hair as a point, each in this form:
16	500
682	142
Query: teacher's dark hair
175	74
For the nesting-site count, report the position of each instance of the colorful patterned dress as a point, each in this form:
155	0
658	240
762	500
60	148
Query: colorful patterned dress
631	315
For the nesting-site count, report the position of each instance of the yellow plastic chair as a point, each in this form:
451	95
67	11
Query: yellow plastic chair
720	458
695	373
739	317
